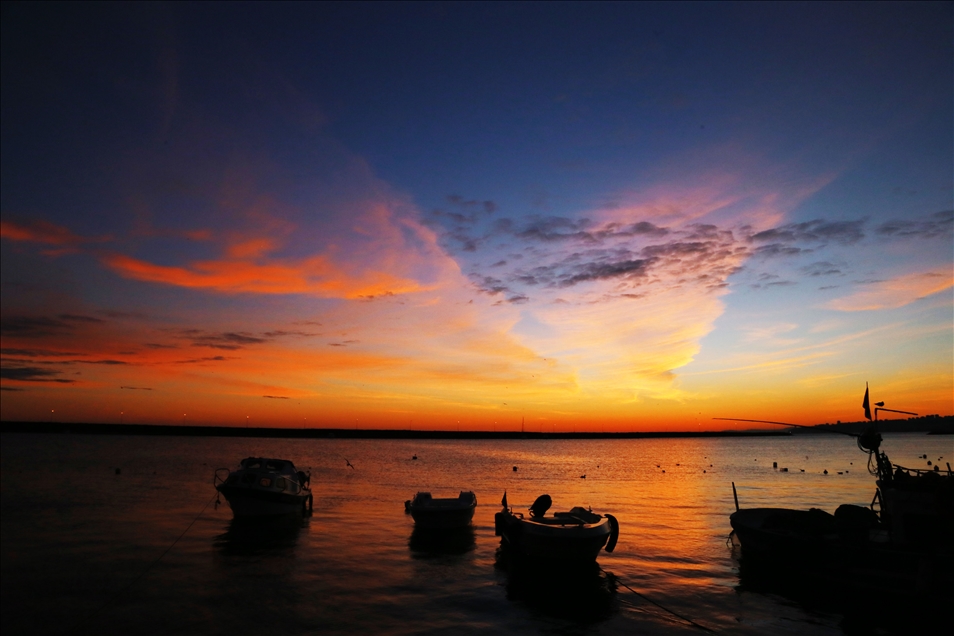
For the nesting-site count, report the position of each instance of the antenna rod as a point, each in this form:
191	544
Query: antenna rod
881	408
814	428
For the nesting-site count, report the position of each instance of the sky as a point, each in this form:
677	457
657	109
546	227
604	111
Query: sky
555	217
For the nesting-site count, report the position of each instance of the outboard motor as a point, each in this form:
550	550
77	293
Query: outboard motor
540	506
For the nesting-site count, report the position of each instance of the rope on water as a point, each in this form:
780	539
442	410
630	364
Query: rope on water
115	597
662	607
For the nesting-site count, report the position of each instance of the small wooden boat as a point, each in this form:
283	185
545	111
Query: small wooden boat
265	487
576	536
431	513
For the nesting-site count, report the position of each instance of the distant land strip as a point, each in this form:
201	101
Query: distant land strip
932	425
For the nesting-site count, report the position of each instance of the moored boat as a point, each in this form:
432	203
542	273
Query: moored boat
436	513
903	541
575	536
265	487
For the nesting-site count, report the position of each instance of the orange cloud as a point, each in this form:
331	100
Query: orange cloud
43	232
314	275
251	248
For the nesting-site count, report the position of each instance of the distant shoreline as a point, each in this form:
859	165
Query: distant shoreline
939	425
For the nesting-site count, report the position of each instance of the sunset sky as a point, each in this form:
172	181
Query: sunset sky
575	216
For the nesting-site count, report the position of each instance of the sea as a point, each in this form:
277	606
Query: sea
124	535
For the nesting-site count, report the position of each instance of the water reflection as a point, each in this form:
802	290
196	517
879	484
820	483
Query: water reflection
427	542
249	536
867	600
581	593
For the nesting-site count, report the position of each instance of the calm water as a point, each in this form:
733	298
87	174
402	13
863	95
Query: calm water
78	540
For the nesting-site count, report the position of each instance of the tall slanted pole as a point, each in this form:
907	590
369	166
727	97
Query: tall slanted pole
735	496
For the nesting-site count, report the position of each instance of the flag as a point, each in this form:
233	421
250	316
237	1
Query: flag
503	502
865	404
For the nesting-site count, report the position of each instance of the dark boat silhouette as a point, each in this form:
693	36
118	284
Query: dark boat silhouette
903	542
576	536
265	487
441	513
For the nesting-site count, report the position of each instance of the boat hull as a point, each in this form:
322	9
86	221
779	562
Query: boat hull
811	547
249	502
553	542
782	534
442	519
265	487
442	514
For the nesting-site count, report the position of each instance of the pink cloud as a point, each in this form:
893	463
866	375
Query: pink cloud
895	292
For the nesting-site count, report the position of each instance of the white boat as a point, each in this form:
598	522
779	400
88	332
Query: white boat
265	487
432	513
576	536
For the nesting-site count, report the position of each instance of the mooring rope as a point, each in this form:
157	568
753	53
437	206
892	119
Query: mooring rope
659	605
115	597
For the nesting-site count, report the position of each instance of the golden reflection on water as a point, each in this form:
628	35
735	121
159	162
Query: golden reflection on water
359	563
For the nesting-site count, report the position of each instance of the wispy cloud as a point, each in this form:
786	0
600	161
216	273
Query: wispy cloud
39	231
816	231
934	225
229	341
205	359
32	326
32	374
895	292
313	276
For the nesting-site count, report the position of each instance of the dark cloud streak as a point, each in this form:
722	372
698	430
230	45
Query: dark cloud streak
937	224
32	374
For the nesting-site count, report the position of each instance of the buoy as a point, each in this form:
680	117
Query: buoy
826	471
703	470
414	457
582	476
774	464
514	469
784	470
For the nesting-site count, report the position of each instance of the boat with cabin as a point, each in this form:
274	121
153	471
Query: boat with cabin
265	487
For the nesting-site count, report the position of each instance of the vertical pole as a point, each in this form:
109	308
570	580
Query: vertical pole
735	496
